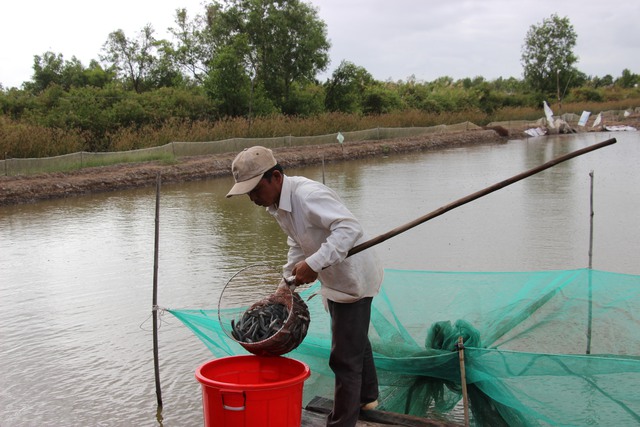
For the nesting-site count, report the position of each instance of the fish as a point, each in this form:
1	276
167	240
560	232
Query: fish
259	323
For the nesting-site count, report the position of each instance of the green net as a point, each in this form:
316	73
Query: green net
540	348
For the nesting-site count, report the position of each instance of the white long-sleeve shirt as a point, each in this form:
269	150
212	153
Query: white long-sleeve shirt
322	230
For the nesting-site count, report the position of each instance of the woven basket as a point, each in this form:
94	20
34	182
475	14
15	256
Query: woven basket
291	334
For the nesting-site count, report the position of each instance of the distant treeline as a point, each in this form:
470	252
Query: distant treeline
248	69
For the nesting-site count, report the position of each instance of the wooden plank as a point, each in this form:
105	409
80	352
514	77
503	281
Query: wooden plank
317	419
320	406
313	419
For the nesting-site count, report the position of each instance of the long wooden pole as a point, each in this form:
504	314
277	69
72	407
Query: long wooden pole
154	308
381	238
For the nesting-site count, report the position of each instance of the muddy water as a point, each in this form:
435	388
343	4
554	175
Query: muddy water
76	275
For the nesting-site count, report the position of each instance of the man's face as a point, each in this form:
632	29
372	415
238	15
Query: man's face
267	192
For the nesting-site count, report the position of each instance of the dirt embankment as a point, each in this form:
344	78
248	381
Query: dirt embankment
33	188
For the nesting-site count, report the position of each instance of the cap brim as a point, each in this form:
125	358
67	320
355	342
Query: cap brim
244	187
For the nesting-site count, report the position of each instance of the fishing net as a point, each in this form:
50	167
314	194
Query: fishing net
540	348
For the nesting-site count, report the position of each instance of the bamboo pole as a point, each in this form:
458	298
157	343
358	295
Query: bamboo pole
381	238
591	221
154	309
590	315
463	381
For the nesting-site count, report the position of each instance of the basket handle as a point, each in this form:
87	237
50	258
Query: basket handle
233	393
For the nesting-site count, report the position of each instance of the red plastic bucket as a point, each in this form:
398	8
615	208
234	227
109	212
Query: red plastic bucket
250	391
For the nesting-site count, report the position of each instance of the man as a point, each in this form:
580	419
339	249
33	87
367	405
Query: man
321	231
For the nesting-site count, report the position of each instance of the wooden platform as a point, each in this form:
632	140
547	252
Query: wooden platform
315	415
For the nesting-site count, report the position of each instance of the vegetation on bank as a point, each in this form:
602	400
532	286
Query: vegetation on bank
21	138
247	68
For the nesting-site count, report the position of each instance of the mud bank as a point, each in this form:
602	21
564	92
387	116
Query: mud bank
30	189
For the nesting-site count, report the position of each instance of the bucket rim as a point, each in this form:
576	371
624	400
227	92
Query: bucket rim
299	378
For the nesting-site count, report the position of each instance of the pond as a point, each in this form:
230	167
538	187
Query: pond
76	274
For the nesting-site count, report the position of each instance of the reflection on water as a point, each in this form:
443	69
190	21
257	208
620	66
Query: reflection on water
76	274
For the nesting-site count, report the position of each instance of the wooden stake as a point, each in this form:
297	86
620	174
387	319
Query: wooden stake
381	238
154	308
591	221
463	381
590	315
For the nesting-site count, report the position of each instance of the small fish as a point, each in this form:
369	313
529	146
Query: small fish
259	323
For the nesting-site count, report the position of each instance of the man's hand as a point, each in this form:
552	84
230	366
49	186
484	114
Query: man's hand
304	274
286	285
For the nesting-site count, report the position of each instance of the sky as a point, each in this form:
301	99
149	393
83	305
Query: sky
392	39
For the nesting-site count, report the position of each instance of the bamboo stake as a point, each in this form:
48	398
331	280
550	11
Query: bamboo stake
154	309
591	221
381	238
463	381
590	316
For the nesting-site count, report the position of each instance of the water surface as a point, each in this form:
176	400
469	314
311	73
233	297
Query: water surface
76	274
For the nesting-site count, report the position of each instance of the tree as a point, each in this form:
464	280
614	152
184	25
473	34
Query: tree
547	55
165	71
52	69
346	87
604	81
133	59
379	99
628	79
195	47
286	41
510	85
228	85
47	70
306	99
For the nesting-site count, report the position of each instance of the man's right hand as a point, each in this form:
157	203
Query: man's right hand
288	283
303	273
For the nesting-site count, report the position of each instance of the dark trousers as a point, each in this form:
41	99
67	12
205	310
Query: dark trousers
351	360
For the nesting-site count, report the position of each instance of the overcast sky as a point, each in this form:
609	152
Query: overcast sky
392	39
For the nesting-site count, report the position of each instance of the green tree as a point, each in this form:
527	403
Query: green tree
469	83
228	85
165	71
195	45
628	79
379	99
547	55
15	103
47	70
52	69
488	100
286	41
133	59
604	81
346	87
306	99
96	76
416	94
